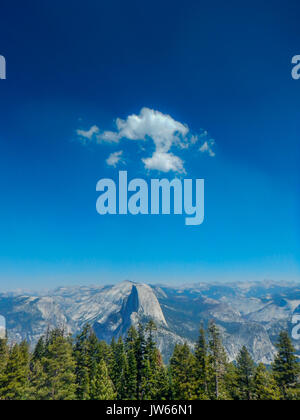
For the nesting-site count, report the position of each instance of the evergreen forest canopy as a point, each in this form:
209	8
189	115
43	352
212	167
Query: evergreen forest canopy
61	368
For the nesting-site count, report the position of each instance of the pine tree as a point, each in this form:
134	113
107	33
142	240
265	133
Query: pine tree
37	374
131	339
150	372
3	362
96	352
119	368
162	389
38	381
81	354
286	366
182	366
3	355
293	394
14	383
217	364
59	366
150	350
245	372
201	365
40	349
102	350
231	382
131	375
140	354
101	385
131	344
264	385
147	387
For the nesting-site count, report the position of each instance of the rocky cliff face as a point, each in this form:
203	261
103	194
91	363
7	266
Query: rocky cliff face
247	314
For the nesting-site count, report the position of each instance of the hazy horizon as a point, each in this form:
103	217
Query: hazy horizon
175	284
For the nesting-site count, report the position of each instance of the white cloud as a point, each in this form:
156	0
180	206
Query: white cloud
89	134
164	162
207	147
162	128
166	133
114	158
109	137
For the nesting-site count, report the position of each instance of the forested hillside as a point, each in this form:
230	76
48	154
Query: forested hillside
60	368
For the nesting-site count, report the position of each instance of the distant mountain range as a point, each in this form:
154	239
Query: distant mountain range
250	314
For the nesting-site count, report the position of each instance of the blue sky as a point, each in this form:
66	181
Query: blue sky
223	67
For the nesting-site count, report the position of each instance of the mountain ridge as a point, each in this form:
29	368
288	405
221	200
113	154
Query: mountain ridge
249	314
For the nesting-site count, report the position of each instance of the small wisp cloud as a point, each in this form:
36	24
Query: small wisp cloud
115	158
